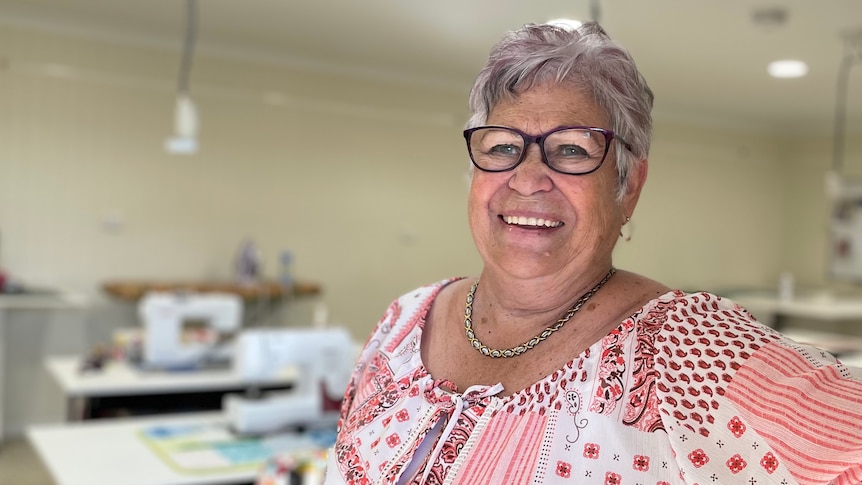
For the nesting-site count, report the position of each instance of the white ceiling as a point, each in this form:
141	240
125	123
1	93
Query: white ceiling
705	59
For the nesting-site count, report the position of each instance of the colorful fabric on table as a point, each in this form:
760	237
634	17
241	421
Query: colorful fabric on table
281	469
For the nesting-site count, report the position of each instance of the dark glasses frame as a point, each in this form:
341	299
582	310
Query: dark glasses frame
609	135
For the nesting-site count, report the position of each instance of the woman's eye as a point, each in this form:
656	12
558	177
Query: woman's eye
572	151
504	150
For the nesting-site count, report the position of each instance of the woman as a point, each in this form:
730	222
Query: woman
551	366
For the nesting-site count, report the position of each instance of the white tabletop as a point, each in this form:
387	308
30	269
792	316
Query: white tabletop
814	306
836	343
119	378
852	359
111	452
43	301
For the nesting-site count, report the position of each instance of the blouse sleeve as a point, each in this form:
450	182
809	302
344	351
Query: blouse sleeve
742	403
807	406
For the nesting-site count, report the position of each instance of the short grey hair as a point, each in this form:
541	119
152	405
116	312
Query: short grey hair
585	58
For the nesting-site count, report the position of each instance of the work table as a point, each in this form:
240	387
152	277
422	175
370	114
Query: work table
42	300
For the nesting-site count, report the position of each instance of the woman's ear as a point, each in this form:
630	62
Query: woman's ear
634	182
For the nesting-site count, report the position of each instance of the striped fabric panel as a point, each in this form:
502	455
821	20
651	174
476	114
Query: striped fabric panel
852	476
809	415
507	452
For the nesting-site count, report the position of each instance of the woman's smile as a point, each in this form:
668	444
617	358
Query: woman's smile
530	222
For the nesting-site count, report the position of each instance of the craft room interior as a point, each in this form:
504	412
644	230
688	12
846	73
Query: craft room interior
237	182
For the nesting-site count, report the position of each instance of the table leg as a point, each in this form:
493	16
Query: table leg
76	406
779	322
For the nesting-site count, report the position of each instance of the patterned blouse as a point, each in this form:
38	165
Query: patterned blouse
690	389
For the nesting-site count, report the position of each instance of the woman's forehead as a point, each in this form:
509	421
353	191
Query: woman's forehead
546	107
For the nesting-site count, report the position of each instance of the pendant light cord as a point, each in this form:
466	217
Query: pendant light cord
596	11
188	46
852	56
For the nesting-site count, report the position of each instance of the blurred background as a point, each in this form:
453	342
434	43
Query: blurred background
330	131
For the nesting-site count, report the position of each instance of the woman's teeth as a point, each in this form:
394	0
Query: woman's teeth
531	221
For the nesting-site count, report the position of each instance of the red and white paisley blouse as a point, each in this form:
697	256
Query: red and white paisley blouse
691	389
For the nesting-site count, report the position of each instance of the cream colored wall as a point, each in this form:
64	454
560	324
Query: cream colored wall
363	180
806	217
709	217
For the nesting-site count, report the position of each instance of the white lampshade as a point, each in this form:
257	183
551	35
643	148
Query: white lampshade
185	116
184	141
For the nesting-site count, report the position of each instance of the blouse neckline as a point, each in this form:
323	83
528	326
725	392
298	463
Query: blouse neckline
436	391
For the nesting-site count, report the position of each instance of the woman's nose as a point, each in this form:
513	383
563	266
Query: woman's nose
532	174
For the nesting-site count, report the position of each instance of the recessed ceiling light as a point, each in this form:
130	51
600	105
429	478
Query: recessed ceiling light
569	24
787	68
769	18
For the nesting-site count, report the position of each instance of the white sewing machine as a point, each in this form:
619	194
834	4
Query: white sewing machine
188	330
324	359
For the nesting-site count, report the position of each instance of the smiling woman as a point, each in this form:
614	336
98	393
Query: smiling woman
553	366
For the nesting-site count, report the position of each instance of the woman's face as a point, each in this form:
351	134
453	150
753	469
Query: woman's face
582	216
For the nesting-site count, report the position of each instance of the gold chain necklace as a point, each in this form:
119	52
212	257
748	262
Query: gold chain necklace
515	351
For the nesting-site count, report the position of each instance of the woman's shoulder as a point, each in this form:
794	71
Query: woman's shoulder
695	308
417	302
657	302
408	312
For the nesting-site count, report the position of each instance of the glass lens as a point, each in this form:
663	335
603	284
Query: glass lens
576	150
496	148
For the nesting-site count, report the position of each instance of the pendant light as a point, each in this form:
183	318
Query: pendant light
185	138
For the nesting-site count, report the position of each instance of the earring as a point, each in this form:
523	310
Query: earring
627	237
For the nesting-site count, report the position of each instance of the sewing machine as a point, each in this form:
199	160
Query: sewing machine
187	330
324	357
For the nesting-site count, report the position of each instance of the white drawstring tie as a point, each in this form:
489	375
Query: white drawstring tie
459	405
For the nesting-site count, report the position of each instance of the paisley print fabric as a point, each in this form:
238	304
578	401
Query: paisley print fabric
690	389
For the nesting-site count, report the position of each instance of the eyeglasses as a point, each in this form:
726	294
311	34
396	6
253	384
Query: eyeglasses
573	150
